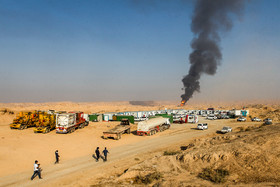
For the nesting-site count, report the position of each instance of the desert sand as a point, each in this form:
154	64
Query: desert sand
19	149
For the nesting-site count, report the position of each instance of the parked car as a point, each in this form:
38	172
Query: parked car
222	116
225	117
256	119
202	126
267	121
226	130
241	119
212	117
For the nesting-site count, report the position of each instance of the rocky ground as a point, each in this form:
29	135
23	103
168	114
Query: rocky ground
250	156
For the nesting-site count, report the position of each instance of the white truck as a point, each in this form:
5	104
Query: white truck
202	126
226	130
64	122
69	122
152	126
212	117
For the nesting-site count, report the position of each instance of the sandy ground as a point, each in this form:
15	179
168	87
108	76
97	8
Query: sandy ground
19	149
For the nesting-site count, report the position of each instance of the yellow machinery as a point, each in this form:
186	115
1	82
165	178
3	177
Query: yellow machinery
24	120
46	122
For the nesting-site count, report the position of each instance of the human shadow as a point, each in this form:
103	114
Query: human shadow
100	157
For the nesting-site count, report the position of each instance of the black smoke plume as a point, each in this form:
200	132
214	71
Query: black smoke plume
210	19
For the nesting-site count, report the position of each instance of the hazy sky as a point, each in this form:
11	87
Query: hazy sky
113	50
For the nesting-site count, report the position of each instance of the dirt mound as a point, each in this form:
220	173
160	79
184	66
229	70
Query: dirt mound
265	111
247	157
6	115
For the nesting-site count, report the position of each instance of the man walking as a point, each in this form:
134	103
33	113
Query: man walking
56	157
97	153
105	152
37	170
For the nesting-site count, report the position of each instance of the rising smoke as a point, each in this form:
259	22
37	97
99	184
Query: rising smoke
210	19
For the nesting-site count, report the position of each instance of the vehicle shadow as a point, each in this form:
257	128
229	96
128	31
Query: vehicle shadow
194	128
134	132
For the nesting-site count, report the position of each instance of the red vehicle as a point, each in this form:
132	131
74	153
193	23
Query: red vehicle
80	120
69	122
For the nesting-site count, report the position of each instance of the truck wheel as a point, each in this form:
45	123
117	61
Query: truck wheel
118	137
21	127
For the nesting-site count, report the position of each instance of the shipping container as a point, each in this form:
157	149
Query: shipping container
166	116
95	117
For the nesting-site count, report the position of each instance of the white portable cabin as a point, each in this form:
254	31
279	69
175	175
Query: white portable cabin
127	114
138	115
152	113
108	116
191	119
236	113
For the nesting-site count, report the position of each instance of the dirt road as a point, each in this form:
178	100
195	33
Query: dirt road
82	171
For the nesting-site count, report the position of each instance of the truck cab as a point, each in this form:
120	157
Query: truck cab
125	122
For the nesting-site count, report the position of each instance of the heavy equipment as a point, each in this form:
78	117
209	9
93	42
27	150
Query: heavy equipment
46	122
24	120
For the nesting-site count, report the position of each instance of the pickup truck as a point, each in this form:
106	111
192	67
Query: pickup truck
256	119
202	126
212	117
267	121
226	130
241	119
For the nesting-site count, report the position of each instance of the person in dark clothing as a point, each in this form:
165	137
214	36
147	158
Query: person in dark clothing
105	152
97	153
37	170
56	157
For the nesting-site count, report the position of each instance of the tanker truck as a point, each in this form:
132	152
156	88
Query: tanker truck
152	126
69	122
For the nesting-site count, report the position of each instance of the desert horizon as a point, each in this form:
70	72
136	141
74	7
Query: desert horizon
139	93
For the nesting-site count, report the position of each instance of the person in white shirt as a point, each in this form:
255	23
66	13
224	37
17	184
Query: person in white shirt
37	170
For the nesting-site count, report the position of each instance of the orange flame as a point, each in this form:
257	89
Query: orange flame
183	102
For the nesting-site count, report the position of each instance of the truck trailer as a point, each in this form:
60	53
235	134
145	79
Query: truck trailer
69	122
116	132
152	126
